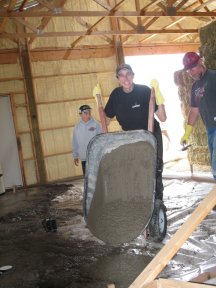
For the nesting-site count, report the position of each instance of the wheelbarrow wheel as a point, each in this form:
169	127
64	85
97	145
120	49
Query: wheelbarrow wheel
158	222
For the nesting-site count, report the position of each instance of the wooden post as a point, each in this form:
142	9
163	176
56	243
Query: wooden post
151	111
26	64
174	244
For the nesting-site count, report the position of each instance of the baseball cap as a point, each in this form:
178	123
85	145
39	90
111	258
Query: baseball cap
190	60
83	108
122	67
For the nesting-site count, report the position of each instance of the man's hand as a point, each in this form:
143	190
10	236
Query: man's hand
158	95
185	137
96	91
76	161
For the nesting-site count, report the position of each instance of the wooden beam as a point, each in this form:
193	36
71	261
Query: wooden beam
53	55
23	5
160	49
117	40
181	4
27	24
61	13
4	21
174	244
102	4
203	5
26	65
96	33
10	57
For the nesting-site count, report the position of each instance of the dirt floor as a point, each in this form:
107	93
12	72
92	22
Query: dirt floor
73	258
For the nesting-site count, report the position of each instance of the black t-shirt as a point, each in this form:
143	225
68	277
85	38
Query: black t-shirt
203	96
130	109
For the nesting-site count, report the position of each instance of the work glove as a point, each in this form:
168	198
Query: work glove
158	95
185	137
96	91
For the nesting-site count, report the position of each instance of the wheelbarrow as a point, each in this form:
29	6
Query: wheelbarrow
119	188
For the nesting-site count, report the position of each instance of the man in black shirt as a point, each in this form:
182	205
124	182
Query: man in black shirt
129	103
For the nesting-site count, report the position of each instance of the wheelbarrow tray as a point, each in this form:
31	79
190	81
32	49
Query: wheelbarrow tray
119	185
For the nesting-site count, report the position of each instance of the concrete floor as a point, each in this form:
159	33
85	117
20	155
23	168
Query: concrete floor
73	257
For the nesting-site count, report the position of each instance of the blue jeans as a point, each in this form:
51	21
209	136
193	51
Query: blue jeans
211	132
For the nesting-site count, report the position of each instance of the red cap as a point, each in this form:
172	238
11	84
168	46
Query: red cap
190	60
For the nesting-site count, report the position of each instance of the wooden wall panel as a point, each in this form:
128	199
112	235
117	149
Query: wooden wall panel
22	119
61	167
13	86
26	144
56	141
30	172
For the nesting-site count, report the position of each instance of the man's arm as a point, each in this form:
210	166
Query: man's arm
193	116
75	147
161	113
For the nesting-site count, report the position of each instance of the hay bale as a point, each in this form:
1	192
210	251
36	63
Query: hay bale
208	44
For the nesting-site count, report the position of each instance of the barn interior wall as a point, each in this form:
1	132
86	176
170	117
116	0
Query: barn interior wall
60	88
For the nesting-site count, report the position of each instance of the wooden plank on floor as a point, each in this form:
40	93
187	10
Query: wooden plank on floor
169	283
175	243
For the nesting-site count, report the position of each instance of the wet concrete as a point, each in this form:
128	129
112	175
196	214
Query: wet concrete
122	206
73	257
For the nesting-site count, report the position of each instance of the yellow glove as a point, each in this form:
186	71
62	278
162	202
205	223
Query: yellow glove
96	91
185	137
158	95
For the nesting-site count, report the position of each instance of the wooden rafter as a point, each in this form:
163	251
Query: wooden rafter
181	4
112	13
46	4
143	19
46	20
23	5
145	22
180	37
97	33
203	5
137	4
27	24
85	24
104	5
165	27
117	40
91	28
10	7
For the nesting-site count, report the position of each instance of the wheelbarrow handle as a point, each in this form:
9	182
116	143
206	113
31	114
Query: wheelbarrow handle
151	111
101	113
